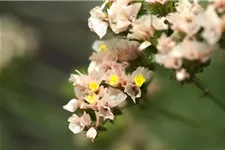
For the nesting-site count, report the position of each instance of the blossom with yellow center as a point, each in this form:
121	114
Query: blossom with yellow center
93	86
102	47
90	99
114	80
139	80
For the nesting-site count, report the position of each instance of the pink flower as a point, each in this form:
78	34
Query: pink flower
120	16
185	22
194	50
144	27
133	91
114	49
111	98
77	124
212	25
157	1
135	80
165	44
168	61
97	22
220	5
184	19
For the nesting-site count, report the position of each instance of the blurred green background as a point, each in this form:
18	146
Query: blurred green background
43	42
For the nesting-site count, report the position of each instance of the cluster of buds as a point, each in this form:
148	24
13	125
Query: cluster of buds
179	35
107	84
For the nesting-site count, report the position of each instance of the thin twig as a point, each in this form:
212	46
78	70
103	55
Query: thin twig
200	85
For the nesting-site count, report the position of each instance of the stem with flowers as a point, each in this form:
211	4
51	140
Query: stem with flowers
178	35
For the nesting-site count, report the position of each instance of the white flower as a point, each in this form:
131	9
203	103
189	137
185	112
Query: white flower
182	75
97	22
77	124
72	105
120	16
91	133
212	25
144	27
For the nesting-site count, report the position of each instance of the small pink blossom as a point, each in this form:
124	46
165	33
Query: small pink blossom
165	44
144	27
97	22
212	25
120	16
133	91
168	61
77	124
184	19
111	98
194	50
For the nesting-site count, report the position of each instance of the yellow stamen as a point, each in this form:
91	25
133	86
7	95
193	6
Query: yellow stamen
93	86
90	98
114	80
139	80
102	47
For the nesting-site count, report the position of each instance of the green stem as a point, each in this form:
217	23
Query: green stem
200	85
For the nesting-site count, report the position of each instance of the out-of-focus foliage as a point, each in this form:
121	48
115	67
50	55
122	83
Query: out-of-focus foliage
33	90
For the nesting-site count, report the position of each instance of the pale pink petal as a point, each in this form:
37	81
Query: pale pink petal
72	105
91	133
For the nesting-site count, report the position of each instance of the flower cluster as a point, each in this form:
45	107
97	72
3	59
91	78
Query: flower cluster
200	35
178	35
107	84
